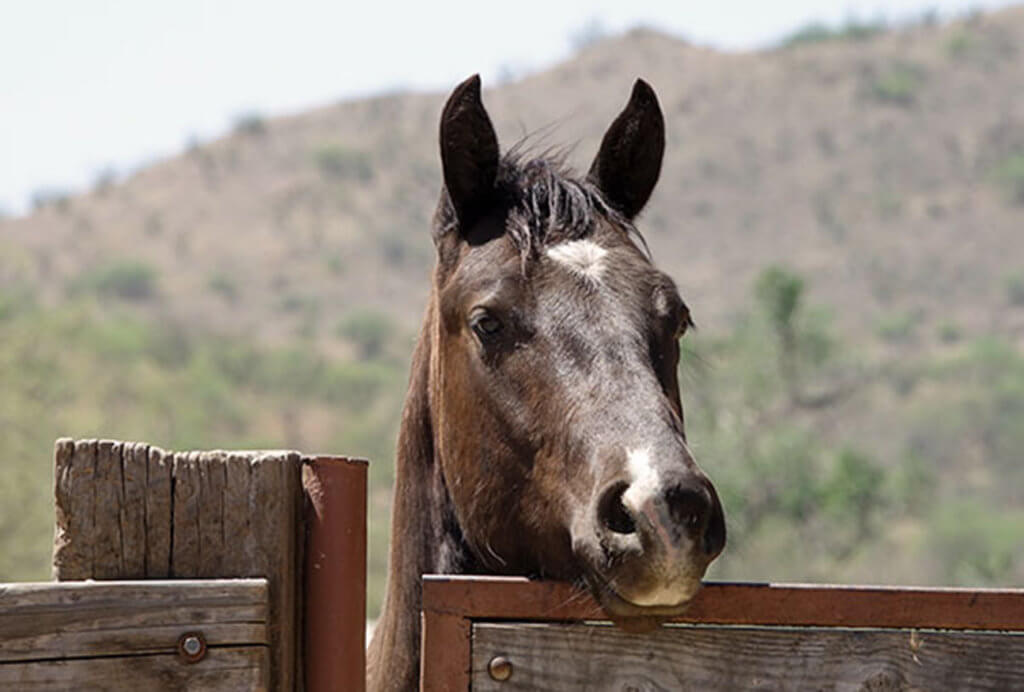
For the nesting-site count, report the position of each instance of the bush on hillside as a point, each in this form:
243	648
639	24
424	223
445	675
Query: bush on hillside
1010	175
340	163
123	279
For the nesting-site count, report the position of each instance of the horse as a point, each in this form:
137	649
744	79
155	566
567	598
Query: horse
542	432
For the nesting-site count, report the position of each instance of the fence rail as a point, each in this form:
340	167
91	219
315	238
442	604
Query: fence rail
734	636
121	634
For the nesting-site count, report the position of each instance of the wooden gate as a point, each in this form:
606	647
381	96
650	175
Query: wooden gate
492	633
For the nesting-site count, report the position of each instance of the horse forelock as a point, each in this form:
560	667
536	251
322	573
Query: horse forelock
547	204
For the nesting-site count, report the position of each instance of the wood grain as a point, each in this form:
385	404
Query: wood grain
134	469
129	510
185	527
211	515
158	507
594	657
74	475
445	653
275	510
516	598
239	555
108	498
223	670
89	619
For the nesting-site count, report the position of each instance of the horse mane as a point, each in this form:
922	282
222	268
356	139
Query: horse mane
547	202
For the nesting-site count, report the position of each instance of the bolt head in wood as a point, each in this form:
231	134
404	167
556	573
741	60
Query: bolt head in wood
500	668
192	647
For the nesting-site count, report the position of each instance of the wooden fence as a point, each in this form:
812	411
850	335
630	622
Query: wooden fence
493	633
221	571
246	570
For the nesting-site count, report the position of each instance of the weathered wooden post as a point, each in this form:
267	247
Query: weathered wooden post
131	511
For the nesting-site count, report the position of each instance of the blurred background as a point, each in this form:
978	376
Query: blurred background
214	234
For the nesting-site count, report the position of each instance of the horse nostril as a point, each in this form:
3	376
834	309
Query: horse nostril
612	513
714	535
688	507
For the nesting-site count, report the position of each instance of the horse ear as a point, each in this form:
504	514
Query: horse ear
629	161
469	152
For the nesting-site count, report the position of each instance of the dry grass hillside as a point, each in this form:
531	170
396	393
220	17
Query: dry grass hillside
875	167
264	288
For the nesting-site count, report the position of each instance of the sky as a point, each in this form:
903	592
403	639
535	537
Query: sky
89	87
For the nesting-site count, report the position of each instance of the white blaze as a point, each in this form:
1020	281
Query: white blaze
584	258
679	580
644	479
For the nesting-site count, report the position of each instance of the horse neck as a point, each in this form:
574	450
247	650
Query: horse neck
424	533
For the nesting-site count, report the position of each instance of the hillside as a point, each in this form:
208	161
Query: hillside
885	173
871	166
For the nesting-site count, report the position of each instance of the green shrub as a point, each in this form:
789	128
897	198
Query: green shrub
51	197
960	44
125	279
252	124
1015	289
779	291
897	85
898	327
224	285
852	30
340	163
353	385
116	340
854	489
889	204
950	332
814	32
1010	175
335	264
369	331
978	546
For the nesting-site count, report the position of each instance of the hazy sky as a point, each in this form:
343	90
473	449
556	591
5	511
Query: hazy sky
87	85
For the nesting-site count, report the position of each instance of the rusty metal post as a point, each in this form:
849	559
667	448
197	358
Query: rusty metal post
335	593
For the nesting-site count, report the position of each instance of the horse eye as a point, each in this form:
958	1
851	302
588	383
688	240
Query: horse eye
485	324
685	322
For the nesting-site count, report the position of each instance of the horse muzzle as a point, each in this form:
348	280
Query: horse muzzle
648	542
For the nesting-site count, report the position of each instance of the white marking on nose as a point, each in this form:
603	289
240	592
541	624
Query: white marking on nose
644	479
667	594
585	258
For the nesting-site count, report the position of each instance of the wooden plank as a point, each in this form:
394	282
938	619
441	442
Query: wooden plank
66	552
74	493
513	598
444	653
158	503
134	463
275	510
108	491
203	514
567	657
225	669
211	514
111	618
185	515
239	553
